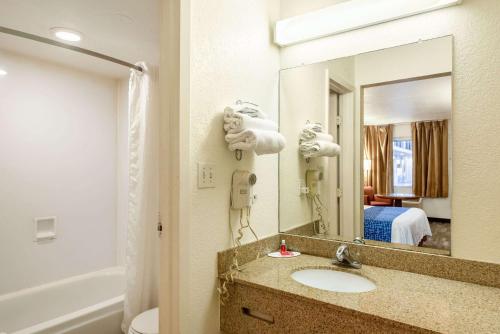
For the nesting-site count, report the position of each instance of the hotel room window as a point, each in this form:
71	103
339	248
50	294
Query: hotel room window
403	162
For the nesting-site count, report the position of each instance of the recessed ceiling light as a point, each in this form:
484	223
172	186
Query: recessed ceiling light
66	35
3	72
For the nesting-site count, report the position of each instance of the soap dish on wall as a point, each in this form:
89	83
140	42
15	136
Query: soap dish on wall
44	228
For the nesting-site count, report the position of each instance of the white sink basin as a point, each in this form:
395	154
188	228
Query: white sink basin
331	280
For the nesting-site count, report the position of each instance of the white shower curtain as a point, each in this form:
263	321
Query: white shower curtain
142	253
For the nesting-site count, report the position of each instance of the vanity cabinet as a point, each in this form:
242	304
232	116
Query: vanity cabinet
254	310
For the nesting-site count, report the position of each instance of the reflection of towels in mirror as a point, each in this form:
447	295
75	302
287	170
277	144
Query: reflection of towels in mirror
319	148
246	108
314	143
308	134
235	122
316	127
262	141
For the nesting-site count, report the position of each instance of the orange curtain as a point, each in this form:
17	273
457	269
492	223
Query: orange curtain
430	158
378	149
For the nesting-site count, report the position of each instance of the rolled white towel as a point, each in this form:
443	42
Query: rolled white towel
261	141
308	134
316	127
235	122
319	148
249	109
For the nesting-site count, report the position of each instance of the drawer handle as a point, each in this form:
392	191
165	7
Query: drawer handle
258	315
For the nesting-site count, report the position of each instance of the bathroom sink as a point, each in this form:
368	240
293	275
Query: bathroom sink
332	280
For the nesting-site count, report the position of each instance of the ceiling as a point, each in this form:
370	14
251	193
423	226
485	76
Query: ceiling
420	100
123	29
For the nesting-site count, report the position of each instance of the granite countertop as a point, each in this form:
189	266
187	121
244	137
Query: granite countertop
427	302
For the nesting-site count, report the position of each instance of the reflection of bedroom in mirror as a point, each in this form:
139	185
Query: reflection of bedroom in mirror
386	114
406	161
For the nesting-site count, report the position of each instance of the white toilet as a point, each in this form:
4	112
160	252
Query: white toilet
145	323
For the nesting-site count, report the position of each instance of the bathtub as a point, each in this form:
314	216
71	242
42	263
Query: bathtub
87	304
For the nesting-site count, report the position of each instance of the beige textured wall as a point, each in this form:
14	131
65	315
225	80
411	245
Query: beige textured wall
232	57
476	121
296	7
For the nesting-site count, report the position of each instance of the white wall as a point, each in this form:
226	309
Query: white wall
343	71
304	95
231	57
474	26
58	158
406	61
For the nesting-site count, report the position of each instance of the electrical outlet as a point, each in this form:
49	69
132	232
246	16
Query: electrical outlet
206	175
302	188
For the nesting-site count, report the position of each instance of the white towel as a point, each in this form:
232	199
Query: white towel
249	109
235	122
261	141
319	148
316	127
308	134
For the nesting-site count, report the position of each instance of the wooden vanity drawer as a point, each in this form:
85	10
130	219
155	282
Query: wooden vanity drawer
252	310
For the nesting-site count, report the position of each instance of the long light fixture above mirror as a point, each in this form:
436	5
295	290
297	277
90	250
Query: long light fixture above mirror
350	15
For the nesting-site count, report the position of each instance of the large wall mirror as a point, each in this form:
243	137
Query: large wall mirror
369	147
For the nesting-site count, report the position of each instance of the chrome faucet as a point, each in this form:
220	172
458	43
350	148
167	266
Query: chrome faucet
344	258
359	241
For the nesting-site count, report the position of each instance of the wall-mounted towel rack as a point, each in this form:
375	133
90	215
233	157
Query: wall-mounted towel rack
248	129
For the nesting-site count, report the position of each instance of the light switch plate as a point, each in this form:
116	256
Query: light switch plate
206	175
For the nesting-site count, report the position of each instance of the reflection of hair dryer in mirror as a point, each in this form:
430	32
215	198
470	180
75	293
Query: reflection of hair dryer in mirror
241	189
313	176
